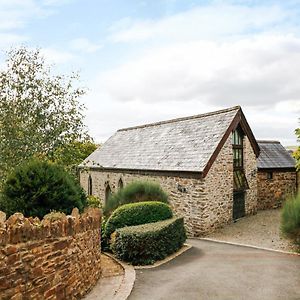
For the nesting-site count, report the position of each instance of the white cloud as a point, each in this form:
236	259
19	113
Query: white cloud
259	73
55	56
10	39
15	14
85	45
200	22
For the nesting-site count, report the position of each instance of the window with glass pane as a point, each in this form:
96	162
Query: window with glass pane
239	179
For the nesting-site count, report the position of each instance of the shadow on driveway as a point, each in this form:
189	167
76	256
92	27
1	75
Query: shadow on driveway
220	271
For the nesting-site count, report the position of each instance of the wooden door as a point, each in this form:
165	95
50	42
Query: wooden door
238	205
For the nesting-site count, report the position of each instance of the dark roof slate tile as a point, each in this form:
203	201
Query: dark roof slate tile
184	144
273	155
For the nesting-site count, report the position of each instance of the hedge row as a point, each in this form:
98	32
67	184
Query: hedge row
136	214
145	244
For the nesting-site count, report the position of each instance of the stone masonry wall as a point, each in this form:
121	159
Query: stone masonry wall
218	200
56	258
250	167
272	192
187	204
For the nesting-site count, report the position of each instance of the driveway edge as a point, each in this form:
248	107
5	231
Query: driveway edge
183	249
246	245
127	282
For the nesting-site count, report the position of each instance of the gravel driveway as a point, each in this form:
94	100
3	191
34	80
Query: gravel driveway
261	230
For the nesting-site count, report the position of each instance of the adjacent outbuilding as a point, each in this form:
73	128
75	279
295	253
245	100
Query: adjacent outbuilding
277	177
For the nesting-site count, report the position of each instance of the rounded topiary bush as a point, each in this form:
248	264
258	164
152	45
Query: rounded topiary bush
136	214
39	187
137	191
290	218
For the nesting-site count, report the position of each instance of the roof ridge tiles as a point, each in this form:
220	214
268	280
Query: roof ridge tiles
268	141
237	107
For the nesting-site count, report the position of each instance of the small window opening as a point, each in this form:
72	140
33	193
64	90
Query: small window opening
90	185
107	193
270	175
120	184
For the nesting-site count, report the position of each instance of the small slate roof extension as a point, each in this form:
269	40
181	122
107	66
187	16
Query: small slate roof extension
274	156
184	144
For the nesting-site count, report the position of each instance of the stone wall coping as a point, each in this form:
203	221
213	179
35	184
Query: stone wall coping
19	229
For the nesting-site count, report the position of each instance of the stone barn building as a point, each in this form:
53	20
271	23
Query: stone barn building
206	163
277	177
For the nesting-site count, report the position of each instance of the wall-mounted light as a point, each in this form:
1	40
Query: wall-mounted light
181	188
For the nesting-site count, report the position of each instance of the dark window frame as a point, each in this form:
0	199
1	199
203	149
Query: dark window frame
239	179
269	175
108	192
90	186
120	184
238	149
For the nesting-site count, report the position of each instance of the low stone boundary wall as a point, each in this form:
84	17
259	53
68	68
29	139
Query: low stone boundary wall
56	258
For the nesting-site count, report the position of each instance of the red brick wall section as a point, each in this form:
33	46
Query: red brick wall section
56	258
272	192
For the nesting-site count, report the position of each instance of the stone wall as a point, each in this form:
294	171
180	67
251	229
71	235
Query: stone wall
185	203
250	167
56	258
272	192
218	200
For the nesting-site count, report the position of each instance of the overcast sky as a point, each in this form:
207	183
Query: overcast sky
145	61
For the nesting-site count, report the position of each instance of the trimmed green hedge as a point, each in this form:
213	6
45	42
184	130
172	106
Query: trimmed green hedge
145	244
290	219
137	191
136	214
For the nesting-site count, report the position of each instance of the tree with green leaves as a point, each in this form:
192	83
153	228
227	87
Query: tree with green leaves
40	113
71	155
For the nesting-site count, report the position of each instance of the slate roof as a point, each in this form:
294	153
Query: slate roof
184	144
273	156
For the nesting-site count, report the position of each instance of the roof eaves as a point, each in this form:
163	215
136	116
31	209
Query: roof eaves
197	174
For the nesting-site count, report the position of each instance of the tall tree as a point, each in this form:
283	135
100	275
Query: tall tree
39	112
71	155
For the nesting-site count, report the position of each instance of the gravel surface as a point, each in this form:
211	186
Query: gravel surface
110	267
261	230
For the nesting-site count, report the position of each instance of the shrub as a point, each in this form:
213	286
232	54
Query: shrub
145	244
136	214
93	201
137	191
290	218
39	187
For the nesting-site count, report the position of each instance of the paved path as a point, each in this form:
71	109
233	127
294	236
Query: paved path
218	271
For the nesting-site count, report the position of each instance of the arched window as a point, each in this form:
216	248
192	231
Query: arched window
90	185
120	184
107	193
